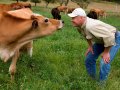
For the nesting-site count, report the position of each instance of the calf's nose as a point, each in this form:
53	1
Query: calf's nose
62	21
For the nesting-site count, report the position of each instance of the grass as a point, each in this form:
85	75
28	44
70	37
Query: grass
58	62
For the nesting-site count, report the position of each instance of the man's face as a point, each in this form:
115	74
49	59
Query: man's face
77	21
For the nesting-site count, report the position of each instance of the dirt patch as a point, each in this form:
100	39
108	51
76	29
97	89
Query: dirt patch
107	6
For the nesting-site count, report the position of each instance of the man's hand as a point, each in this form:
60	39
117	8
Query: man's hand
106	57
90	49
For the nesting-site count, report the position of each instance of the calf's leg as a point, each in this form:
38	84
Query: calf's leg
12	68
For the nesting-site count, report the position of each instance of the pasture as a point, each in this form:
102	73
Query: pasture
58	62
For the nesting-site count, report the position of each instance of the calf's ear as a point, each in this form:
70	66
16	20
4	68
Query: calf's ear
33	17
24	13
34	24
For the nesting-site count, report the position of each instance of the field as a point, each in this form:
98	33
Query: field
58	62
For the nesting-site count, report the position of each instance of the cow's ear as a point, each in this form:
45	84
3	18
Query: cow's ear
33	17
24	13
34	24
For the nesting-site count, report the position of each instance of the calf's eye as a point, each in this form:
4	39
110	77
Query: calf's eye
46	20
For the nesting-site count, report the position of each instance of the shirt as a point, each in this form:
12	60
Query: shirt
99	32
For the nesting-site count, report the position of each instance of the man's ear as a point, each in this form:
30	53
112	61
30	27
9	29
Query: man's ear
34	24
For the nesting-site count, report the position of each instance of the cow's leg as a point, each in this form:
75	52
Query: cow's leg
30	48
12	68
104	15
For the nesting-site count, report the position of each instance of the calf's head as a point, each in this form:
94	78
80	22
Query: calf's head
23	23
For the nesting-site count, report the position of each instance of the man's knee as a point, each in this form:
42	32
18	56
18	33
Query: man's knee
89	60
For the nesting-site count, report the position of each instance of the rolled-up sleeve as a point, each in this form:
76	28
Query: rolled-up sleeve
88	35
109	41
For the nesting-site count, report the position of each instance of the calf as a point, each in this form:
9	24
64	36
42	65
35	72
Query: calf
19	27
56	13
69	10
62	8
20	5
13	6
92	14
99	12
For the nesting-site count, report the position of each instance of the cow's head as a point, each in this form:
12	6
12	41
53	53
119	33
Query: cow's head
29	24
44	25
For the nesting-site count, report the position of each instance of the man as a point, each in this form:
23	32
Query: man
102	39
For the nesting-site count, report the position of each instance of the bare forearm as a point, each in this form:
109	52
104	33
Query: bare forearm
89	42
90	49
107	49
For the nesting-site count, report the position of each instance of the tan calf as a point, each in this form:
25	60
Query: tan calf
62	8
99	12
13	6
19	27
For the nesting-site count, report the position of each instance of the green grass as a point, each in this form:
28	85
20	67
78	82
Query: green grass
58	62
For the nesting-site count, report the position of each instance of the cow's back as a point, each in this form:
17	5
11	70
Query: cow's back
4	7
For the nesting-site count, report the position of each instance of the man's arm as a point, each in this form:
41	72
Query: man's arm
89	42
90	49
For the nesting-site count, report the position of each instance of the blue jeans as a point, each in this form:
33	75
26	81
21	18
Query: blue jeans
90	61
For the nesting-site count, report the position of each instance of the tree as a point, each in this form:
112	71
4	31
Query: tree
20	0
82	3
63	2
16	0
66	3
35	1
24	0
49	1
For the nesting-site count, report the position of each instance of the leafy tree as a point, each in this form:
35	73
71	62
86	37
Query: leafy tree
66	3
24	0
49	1
35	1
63	2
82	3
20	0
16	0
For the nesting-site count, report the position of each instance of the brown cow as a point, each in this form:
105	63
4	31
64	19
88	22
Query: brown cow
62	8
92	14
19	27
20	5
13	6
56	13
99	12
69	10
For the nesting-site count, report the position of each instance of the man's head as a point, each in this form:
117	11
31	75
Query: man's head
78	17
